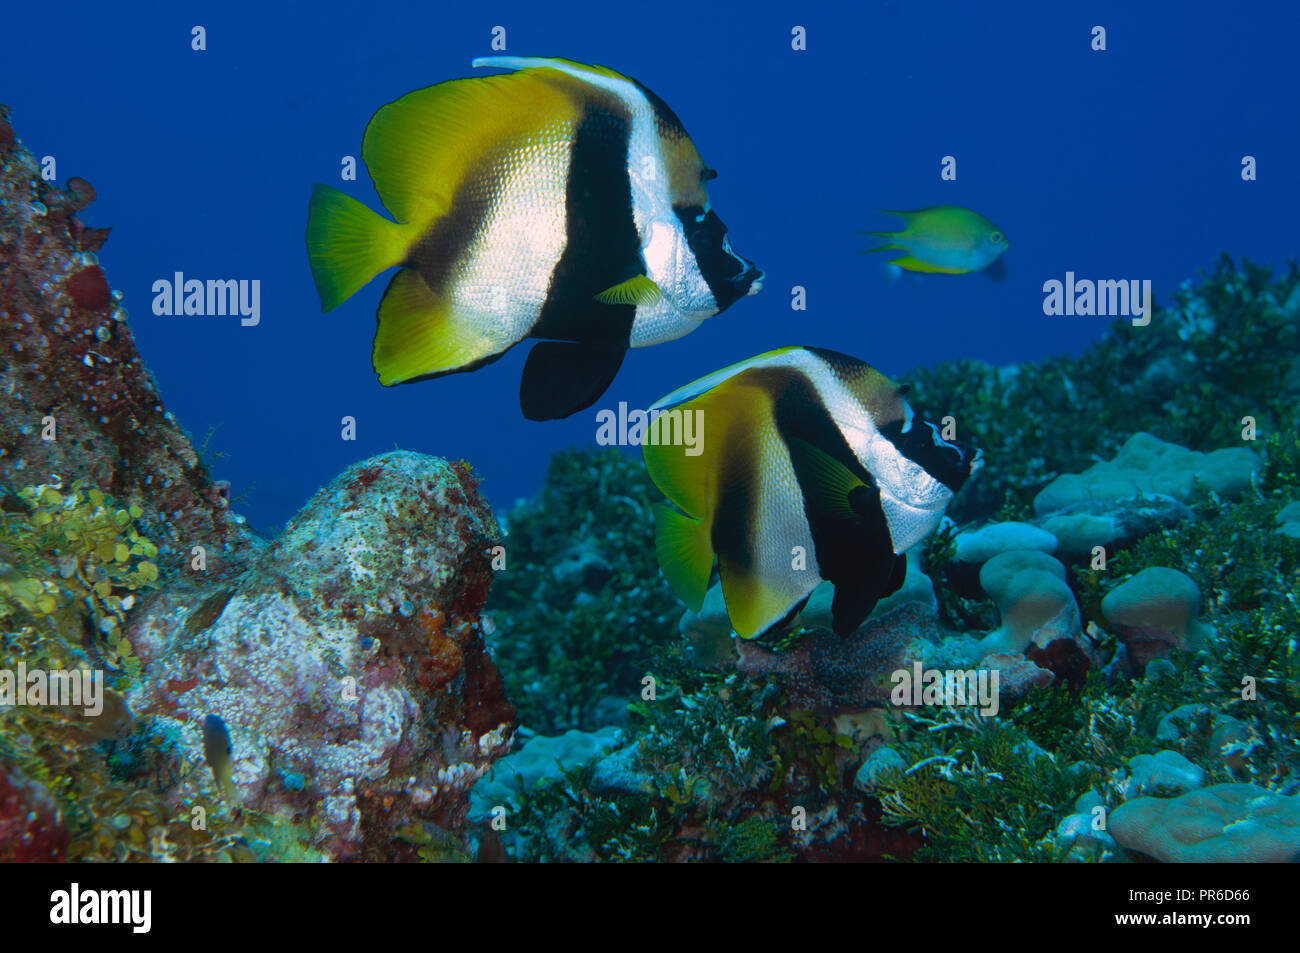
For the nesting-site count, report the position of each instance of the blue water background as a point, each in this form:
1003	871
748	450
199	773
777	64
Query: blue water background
1122	164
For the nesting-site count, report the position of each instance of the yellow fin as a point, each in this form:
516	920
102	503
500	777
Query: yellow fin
915	264
685	554
419	334
348	244
639	290
420	148
753	607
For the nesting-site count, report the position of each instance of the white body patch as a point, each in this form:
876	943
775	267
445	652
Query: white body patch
670	264
505	272
778	527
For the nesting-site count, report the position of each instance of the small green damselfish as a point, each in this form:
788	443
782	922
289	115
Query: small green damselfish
217	752
946	239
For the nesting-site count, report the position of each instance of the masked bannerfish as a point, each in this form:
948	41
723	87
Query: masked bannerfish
562	202
811	467
946	238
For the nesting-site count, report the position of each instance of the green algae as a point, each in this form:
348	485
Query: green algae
975	788
564	644
1219	351
75	568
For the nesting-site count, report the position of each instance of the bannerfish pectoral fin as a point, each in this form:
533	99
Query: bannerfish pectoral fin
638	290
685	554
832	489
564	377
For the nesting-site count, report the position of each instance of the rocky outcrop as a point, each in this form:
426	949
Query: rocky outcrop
348	662
76	401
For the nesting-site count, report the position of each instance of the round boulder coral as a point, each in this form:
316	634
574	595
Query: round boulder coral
1036	605
1155	613
981	545
1225	823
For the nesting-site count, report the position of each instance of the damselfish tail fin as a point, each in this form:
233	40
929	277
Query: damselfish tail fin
348	244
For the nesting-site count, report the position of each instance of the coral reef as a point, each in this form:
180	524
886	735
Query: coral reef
1222	349
348	661
1127	563
580	604
1148	466
346	656
1155	613
1158	666
76	401
30	826
1226	823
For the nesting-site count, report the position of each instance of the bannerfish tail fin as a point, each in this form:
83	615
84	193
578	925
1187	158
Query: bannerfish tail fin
685	554
420	335
564	377
348	244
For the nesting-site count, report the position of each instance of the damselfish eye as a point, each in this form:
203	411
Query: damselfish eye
708	174
997	238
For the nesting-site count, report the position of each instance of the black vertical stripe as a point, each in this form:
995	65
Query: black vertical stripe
856	555
602	246
442	247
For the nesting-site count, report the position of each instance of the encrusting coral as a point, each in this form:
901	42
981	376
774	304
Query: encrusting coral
346	656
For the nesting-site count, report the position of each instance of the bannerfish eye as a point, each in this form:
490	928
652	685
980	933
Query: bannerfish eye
997	238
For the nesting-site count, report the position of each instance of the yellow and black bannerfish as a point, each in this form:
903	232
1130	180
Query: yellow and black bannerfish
811	467
562	202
